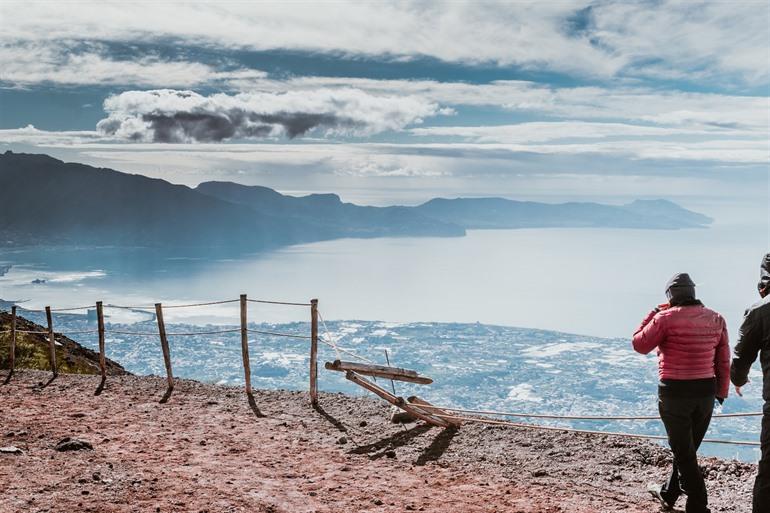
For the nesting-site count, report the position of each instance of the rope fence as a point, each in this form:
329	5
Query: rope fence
71	309
284	303
102	331
456	414
574	417
506	423
136	333
188	305
279	334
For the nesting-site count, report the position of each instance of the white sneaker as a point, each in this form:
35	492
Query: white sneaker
656	492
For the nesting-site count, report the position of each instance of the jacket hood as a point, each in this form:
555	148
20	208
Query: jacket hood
764	273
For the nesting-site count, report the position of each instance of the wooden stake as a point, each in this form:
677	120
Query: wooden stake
396	401
245	344
416	401
166	351
51	342
245	353
102	357
379	371
314	352
12	346
13	338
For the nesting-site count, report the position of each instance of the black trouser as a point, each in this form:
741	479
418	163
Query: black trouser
687	420
762	484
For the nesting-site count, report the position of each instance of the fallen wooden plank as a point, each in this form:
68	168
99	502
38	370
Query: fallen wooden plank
379	371
417	402
396	401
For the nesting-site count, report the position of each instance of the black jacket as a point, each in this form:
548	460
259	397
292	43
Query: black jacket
755	338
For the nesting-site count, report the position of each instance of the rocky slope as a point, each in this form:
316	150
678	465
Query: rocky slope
32	350
206	451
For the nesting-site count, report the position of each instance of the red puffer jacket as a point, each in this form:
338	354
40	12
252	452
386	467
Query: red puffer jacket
692	343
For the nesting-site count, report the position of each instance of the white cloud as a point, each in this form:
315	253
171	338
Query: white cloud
559	130
723	41
703	39
693	110
185	116
25	64
31	135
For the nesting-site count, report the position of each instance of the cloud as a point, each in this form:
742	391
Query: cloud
632	104
71	63
725	42
31	135
570	130
185	116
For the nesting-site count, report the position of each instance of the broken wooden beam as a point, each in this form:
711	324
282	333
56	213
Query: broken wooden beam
379	371
396	401
415	401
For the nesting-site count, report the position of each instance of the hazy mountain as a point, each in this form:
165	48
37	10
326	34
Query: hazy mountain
480	213
329	215
467	213
46	201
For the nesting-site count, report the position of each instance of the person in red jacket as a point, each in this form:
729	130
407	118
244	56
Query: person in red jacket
694	370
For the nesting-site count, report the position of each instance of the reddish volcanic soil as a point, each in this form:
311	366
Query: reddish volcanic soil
206	451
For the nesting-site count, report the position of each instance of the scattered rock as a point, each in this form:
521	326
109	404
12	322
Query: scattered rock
377	502
390	454
73	444
11	450
342	440
539	473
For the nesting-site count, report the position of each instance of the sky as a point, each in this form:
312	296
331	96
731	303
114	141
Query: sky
398	102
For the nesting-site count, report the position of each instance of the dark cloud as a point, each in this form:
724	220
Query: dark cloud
203	127
299	123
170	116
213	127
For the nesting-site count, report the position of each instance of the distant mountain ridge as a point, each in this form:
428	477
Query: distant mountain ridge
499	213
46	201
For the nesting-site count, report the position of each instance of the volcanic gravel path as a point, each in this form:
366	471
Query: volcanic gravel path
206	451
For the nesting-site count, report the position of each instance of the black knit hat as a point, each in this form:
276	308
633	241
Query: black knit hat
680	287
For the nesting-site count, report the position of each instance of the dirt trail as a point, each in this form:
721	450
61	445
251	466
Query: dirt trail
206	451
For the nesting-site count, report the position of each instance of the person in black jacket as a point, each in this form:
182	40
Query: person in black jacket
755	339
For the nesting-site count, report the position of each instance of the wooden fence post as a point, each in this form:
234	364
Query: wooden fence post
166	352
245	353
12	346
102	357
51	342
245	344
314	352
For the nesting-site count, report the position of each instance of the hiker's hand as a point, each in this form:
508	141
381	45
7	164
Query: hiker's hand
662	306
738	388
